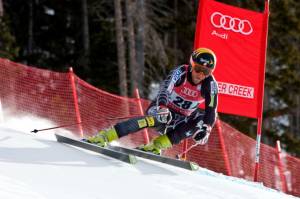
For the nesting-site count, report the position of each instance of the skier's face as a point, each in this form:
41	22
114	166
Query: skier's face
199	75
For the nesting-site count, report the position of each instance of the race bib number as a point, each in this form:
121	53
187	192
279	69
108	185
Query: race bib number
182	103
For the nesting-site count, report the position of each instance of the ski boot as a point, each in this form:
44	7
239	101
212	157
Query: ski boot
103	137
155	146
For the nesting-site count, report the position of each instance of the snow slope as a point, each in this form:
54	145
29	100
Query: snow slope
35	166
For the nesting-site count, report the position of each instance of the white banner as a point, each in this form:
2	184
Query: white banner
236	90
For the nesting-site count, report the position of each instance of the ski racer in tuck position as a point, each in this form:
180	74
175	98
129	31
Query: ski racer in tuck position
175	112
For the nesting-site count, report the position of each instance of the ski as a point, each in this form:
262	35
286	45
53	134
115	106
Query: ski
119	155
174	162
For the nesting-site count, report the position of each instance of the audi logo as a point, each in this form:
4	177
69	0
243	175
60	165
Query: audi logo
231	23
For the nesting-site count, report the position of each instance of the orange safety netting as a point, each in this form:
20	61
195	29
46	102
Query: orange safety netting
31	91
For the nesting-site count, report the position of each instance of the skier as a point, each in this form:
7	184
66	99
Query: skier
175	112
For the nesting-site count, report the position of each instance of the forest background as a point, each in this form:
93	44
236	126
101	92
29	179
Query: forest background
140	41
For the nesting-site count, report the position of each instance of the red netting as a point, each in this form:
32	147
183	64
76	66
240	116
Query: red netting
30	91
26	90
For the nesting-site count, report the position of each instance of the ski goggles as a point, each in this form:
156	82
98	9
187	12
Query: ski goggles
198	68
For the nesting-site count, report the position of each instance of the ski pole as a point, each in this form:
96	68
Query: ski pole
56	127
107	118
67	125
178	156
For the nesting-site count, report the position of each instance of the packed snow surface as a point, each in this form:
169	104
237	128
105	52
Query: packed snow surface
35	166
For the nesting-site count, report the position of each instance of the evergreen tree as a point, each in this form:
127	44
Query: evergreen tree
8	45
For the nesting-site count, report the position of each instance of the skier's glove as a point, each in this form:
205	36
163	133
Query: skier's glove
202	134
163	114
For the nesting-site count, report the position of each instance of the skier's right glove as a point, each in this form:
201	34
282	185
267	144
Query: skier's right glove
163	114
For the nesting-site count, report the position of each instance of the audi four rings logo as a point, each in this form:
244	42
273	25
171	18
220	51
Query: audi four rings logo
231	23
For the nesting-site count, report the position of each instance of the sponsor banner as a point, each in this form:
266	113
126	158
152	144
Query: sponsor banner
238	38
235	90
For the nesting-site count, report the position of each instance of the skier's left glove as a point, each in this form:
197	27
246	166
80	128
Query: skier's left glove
202	134
163	114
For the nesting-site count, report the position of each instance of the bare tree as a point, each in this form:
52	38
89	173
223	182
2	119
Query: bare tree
295	117
145	41
158	15
140	43
131	43
85	37
120	48
1	9
175	32
30	28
